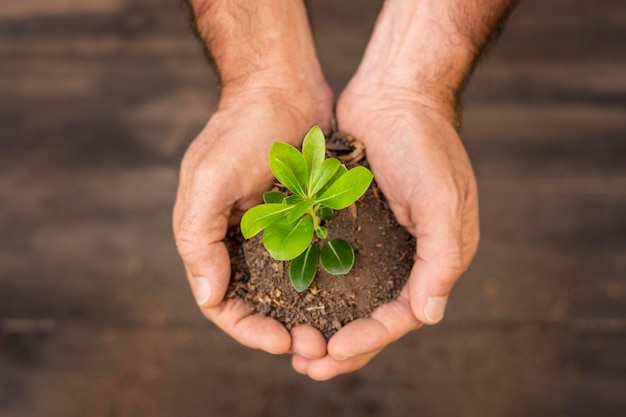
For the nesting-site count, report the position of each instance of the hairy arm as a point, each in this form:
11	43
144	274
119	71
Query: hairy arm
253	43
429	47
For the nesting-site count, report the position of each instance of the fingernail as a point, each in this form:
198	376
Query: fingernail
435	307
202	290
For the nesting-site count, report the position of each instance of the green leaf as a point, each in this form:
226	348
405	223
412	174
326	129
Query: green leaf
347	189
303	268
261	216
299	209
284	240
293	200
314	149
342	170
321	232
322	175
289	167
326	213
337	257
273	197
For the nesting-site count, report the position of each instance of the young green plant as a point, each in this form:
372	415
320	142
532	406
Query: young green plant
289	222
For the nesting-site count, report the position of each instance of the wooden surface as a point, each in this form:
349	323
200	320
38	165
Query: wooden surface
98	100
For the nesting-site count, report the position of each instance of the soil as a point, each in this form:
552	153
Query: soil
384	255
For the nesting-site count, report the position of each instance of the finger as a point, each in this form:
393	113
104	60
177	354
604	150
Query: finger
439	259
327	367
200	228
386	324
209	290
307	342
237	319
300	364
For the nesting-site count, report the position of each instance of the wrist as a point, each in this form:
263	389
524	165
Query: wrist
264	53
414	50
253	43
308	106
426	48
285	82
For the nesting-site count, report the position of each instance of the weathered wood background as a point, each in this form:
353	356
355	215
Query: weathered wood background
98	100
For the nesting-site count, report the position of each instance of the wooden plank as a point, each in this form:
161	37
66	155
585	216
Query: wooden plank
31	8
97	103
451	371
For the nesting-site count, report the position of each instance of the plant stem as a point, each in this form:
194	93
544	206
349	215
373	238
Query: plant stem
313	212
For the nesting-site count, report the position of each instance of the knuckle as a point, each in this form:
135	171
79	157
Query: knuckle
192	169
189	161
454	263
449	195
197	162
186	245
449	260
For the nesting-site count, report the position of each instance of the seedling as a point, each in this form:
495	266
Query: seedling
319	186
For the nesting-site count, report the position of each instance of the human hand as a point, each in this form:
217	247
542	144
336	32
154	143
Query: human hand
224	172
424	172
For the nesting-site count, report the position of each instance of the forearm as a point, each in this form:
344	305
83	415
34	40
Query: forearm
429	46
256	43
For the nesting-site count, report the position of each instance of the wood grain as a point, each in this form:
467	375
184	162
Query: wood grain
98	101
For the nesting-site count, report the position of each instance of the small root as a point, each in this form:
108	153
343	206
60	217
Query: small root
357	154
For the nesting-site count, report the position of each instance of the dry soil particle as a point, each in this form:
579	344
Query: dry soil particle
383	259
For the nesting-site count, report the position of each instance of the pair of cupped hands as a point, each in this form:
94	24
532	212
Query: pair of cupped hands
419	164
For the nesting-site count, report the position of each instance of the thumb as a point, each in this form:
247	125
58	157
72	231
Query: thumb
439	264
199	237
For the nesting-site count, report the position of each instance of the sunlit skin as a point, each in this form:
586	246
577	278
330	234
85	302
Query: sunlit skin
400	104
